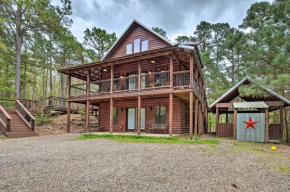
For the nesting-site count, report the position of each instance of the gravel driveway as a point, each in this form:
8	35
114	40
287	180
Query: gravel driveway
55	163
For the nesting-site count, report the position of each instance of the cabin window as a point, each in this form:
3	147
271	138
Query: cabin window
136	45
115	116
161	78
160	114
145	45
129	49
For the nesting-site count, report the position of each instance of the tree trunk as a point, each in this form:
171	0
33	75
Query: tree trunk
18	50
50	61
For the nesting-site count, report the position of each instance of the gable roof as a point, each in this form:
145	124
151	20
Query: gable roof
126	32
234	92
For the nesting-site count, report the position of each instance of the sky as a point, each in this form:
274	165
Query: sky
176	17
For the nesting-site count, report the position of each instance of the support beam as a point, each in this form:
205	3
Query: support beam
267	125
195	116
170	113
217	114
111	115
88	82
68	103
139	74
171	71
190	114
191	70
199	119
139	116
281	123
235	124
112	78
87	116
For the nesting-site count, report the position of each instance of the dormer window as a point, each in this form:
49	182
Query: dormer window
129	49
136	45
145	45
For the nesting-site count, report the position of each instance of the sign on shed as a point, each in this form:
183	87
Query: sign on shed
251	127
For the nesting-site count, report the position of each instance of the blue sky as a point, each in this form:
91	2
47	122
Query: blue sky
176	17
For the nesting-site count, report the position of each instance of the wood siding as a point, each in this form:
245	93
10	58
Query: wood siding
149	115
224	130
184	118
275	131
141	33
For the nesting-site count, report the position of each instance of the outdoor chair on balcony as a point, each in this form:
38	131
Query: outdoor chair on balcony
158	127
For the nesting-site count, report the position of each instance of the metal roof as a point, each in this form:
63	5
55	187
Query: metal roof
250	105
247	79
141	24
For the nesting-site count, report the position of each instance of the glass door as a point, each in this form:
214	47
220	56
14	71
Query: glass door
132	82
131	119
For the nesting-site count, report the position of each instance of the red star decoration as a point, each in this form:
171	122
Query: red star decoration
250	123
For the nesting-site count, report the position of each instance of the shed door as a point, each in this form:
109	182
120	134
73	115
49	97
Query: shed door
251	127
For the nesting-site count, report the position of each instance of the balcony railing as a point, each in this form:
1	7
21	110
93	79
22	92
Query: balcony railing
130	83
181	78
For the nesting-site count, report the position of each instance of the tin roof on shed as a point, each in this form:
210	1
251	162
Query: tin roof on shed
250	105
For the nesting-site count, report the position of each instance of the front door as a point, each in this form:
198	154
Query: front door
132	119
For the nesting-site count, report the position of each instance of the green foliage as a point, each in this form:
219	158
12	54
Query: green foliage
160	31
147	139
82	112
285	169
42	119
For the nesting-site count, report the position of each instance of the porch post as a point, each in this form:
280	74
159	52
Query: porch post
112	79
235	124
191	70
139	116
199	119
195	116
171	70
281	123
68	103
267	125
88	82
139	75
170	113
111	115
190	114
216	119
87	116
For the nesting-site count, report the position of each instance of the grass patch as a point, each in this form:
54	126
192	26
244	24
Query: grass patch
231	138
2	137
147	139
249	146
285	169
207	151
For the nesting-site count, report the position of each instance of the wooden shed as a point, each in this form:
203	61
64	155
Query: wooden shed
250	117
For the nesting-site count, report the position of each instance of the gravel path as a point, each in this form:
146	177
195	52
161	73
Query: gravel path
54	163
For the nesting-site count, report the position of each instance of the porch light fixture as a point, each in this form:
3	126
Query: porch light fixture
152	61
121	109
122	76
162	70
149	72
105	70
150	108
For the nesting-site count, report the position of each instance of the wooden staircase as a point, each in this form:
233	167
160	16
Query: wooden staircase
17	123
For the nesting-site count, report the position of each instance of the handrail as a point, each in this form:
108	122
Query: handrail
24	114
4	119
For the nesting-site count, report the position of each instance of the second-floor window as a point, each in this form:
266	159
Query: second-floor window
136	45
144	46
129	49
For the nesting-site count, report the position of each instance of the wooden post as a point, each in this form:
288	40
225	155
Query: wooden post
216	119
191	70
199	120
171	70
112	79
139	74
68	103
88	82
190	114
170	113
195	116
281	123
111	115
235	124
267	125
139	116
87	116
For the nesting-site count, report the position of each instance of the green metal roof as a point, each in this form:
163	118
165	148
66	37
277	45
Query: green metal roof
252	105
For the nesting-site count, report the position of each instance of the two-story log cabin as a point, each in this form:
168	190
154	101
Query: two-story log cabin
144	83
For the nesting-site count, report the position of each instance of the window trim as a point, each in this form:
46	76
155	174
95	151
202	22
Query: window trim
147	45
127	48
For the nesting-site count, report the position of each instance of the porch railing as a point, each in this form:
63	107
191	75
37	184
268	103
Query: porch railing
125	83
24	114
100	86
181	78
78	89
158	79
5	120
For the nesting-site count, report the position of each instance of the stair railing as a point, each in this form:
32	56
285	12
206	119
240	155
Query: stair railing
25	115
5	120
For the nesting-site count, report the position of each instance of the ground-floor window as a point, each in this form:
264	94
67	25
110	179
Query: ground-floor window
160	114
115	116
